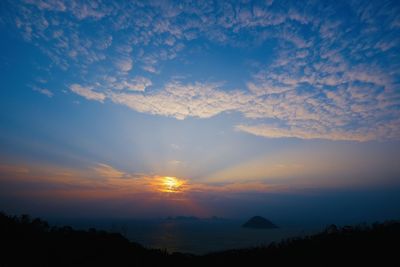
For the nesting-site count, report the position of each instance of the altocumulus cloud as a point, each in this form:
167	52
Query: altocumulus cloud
334	73
301	116
87	92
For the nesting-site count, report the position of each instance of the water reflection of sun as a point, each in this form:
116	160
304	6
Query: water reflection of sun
172	184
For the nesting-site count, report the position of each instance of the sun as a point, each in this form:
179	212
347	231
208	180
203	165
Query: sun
172	184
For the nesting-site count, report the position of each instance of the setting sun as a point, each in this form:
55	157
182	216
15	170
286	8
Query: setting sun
172	184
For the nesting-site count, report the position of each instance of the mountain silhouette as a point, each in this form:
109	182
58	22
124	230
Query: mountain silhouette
258	222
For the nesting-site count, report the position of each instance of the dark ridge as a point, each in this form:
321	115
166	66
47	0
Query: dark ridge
32	242
258	222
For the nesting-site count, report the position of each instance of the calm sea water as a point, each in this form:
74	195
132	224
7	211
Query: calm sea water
203	236
195	236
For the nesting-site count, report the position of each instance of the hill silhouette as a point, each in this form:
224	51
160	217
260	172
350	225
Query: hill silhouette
258	222
32	242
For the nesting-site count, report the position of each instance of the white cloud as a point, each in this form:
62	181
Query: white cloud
43	91
87	92
90	9
150	69
56	5
138	84
328	78
343	114
125	64
304	133
181	101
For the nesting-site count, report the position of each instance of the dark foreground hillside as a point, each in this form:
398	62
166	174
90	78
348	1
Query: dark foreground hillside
32	242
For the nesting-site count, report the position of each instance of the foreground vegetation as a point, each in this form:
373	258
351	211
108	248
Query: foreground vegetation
32	242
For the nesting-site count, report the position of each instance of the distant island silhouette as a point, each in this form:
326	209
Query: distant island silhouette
258	222
194	219
33	242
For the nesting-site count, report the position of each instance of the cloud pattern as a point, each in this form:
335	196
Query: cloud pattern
334	73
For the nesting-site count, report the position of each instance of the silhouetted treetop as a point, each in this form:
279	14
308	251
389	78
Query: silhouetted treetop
31	242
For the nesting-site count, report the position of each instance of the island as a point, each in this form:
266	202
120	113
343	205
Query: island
258	222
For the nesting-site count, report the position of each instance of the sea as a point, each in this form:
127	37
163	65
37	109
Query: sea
196	236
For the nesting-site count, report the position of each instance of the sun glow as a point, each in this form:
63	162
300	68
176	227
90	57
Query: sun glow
172	184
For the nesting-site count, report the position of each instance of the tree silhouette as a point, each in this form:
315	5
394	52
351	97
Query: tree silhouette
31	242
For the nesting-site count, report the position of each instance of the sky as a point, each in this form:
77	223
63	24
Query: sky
202	108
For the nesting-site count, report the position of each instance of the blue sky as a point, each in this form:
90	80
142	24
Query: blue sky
231	97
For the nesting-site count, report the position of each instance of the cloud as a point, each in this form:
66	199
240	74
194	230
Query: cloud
274	173
182	101
138	83
311	87
108	171
343	114
150	69
125	64
304	133
87	92
43	91
119	83
55	5
84	10
104	182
